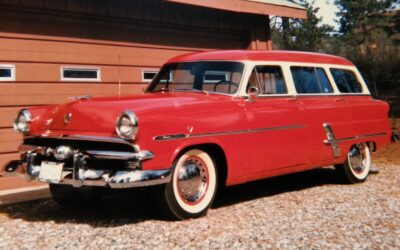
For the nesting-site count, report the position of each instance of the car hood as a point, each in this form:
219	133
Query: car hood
100	114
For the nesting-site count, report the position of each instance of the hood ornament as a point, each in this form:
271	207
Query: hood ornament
67	118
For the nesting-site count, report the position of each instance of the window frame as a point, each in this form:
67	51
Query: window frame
151	71
356	74
282	68
315	67
80	68
13	73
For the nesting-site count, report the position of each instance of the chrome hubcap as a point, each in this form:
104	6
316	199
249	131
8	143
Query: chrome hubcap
357	159
192	180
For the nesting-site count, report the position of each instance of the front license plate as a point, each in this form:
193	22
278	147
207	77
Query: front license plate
51	172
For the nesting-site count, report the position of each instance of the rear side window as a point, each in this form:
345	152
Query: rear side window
269	79
346	81
310	80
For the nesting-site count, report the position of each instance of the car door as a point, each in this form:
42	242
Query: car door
274	122
322	110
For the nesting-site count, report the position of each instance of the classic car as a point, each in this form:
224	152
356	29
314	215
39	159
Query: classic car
208	120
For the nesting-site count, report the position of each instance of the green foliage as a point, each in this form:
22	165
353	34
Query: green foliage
298	34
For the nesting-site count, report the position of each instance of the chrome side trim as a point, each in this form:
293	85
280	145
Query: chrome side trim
361	137
334	142
170	137
331	139
114	155
246	131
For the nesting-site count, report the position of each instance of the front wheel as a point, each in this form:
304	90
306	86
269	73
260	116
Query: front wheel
357	165
193	186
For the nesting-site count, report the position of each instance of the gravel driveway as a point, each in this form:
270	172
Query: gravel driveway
309	210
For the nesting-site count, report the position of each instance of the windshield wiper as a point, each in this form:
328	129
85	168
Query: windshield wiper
161	90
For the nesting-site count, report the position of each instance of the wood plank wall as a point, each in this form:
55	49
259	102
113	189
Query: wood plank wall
119	37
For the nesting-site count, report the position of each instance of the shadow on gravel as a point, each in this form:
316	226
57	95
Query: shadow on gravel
135	206
277	185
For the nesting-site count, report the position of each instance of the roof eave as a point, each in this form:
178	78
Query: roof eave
250	7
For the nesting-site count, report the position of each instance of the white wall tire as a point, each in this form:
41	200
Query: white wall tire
193	186
357	166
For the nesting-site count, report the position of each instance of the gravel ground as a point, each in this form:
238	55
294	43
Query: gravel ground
310	210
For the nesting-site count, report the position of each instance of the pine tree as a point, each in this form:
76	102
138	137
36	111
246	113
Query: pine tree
298	34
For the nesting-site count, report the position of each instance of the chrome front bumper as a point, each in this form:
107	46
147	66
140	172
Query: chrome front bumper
80	174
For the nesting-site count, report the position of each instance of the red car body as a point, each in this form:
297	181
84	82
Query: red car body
268	136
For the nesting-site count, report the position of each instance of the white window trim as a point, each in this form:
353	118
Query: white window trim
12	68
151	71
249	65
97	69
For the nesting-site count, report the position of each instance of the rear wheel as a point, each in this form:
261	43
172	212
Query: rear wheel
76	198
193	186
357	165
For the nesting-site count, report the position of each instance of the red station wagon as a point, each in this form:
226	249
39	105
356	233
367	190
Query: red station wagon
208	119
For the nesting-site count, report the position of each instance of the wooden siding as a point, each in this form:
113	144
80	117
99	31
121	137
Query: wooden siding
119	37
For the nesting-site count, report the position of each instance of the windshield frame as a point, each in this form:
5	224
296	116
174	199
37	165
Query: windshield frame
243	74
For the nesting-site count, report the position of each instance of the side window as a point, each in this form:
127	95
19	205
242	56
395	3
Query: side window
7	73
269	79
310	80
346	81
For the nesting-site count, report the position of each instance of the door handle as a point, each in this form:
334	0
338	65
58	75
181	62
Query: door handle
339	100
295	100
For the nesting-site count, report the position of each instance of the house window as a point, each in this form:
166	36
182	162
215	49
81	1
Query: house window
80	74
148	75
216	76
7	73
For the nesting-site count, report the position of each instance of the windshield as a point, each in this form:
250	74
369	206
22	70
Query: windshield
218	77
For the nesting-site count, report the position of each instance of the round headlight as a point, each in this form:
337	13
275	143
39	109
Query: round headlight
127	125
22	121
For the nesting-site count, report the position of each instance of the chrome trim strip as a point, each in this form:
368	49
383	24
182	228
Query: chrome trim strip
82	138
85	138
98	154
115	155
334	142
246	131
361	137
331	139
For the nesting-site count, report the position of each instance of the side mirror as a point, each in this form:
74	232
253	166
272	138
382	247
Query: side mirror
252	93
